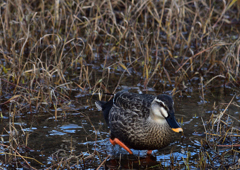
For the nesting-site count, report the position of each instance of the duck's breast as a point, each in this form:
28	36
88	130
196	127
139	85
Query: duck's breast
136	132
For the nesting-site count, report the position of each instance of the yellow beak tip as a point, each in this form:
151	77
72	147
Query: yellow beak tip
178	130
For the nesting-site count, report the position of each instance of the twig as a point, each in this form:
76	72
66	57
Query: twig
21	156
195	56
234	145
212	134
18	85
103	162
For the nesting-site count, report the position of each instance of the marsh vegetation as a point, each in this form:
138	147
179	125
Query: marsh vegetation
58	57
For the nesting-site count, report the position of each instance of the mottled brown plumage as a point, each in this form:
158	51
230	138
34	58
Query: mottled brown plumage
140	121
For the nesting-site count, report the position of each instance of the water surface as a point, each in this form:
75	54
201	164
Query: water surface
81	129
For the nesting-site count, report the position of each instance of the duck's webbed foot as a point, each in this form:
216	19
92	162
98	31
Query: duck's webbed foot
149	152
117	141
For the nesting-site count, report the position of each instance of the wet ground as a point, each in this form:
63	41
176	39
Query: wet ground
81	129
185	47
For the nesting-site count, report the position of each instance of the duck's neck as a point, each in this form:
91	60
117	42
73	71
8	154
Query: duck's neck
158	125
160	134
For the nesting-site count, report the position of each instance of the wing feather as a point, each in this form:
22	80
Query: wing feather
132	104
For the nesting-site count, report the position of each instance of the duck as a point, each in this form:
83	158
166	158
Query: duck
140	121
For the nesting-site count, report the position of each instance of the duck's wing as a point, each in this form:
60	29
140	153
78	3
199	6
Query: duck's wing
132	103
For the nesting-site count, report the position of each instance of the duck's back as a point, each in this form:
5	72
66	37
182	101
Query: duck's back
137	104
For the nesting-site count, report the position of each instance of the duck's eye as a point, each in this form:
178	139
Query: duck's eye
163	105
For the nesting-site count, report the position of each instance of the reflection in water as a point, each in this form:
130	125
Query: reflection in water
132	162
84	132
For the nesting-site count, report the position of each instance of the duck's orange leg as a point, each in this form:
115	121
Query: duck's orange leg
112	142
117	141
149	152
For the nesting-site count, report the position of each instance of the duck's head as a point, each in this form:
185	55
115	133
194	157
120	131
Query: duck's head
162	111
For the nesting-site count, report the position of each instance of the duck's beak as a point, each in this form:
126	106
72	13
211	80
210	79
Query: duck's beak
173	123
178	130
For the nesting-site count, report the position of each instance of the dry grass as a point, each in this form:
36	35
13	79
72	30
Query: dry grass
220	146
49	47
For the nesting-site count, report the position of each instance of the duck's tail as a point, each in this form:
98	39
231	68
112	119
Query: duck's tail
100	104
105	107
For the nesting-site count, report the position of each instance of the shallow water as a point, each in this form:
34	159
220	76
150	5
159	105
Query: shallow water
81	129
